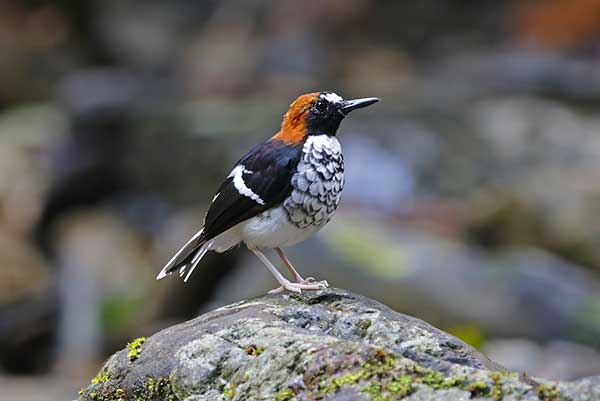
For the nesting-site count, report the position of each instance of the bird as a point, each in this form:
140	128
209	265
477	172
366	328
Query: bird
280	193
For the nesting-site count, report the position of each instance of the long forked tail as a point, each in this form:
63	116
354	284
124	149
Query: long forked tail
187	258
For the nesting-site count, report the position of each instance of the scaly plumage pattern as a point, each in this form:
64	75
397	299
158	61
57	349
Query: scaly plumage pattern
317	183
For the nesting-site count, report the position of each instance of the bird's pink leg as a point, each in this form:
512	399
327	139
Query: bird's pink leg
285	283
297	275
288	264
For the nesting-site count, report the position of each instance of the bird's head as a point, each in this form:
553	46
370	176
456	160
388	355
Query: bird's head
316	114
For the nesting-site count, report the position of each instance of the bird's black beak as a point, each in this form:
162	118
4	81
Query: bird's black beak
350	105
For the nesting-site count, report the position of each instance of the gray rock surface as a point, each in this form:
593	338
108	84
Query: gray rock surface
327	345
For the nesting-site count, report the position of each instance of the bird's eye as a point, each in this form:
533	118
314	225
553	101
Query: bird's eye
321	106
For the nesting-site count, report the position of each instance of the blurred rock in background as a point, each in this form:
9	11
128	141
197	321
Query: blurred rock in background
478	212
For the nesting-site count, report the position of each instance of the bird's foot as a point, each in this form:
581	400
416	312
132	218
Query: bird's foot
312	280
306	284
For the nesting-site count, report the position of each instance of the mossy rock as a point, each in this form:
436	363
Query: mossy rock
325	345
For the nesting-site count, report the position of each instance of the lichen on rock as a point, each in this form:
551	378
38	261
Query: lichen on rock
324	345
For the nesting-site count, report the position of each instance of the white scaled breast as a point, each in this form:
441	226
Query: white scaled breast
317	184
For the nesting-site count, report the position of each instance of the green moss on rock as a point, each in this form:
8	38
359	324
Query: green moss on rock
549	393
254	350
229	390
363	325
155	389
385	379
102	377
286	394
374	390
135	348
152	389
401	386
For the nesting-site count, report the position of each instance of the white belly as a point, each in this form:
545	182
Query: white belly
273	229
270	229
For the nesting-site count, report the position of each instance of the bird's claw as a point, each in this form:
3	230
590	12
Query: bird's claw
311	280
307	284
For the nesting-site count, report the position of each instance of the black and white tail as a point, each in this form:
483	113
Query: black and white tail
187	258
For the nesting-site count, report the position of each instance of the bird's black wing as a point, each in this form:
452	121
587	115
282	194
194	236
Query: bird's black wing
259	181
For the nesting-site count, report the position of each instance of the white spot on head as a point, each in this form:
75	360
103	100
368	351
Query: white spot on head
240	185
332	97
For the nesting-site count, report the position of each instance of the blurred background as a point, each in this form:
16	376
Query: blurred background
472	190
